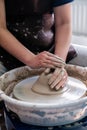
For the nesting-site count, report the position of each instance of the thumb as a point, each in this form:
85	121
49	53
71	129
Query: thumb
47	71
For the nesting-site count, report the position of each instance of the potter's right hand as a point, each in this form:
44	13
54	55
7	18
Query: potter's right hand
57	76
58	79
43	60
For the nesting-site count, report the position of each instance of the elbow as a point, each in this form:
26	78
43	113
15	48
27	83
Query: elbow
2	34
3	27
64	26
67	25
63	23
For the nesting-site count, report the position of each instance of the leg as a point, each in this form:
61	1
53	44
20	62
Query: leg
2	69
81	58
2	126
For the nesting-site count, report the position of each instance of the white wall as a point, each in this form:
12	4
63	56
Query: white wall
79	17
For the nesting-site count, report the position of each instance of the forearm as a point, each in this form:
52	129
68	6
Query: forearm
14	47
62	40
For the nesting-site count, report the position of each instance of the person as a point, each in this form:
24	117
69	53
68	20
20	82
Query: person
29	30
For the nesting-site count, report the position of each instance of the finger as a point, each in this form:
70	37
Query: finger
59	58
52	64
47	71
62	83
56	63
55	60
47	65
56	57
48	54
57	80
52	60
54	76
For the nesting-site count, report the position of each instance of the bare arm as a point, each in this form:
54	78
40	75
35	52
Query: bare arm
62	18
9	42
62	15
14	47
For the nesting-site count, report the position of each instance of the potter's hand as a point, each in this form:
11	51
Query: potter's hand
58	76
44	60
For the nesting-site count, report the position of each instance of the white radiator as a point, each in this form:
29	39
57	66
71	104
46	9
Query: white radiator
79	17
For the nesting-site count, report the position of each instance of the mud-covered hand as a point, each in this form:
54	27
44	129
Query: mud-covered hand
58	76
44	60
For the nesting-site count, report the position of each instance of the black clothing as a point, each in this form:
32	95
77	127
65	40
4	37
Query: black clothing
24	21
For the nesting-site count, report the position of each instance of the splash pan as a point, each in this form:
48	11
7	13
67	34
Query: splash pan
73	90
67	106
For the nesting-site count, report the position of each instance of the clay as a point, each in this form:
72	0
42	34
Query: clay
41	86
26	91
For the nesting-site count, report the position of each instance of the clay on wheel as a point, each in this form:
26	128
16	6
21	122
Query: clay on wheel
41	86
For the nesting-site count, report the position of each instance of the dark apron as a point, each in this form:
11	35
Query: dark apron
25	20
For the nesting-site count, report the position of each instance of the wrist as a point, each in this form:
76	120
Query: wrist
62	57
28	58
61	62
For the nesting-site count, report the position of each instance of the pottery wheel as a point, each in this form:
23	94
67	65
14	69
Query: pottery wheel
73	90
